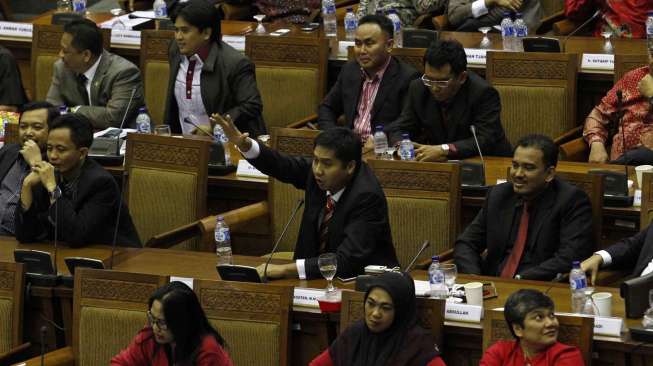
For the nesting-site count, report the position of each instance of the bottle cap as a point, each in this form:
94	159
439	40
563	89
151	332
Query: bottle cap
435	258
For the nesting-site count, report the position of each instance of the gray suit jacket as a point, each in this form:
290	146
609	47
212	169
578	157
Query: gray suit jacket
228	86
111	88
462	20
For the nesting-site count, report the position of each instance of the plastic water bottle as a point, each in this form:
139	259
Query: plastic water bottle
380	143
351	23
577	285
649	33
406	148
329	18
79	6
521	31
222	241
507	31
143	121
221	137
160	9
436	279
396	22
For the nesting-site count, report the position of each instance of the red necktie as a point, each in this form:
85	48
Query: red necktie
518	249
324	227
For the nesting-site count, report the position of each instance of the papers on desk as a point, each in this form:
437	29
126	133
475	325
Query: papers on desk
13	29
123	21
342	48
188	281
113	131
422	288
247	170
144	14
237	42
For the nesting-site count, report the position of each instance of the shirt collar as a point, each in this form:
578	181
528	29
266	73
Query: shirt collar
90	73
336	196
202	53
379	74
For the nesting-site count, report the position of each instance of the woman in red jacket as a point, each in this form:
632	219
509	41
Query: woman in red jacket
177	333
532	321
389	334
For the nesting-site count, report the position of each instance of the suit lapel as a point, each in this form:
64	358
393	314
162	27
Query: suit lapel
100	73
210	69
540	213
506	214
353	89
456	112
385	87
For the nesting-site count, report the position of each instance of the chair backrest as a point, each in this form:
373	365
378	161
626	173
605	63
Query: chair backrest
430	313
646	209
574	331
626	63
11	133
423	204
109	308
290	74
283	197
12	277
592	184
46	44
550	7
252	318
410	56
538	91
167	180
156	70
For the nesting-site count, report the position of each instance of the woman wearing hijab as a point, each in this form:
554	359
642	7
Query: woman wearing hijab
389	333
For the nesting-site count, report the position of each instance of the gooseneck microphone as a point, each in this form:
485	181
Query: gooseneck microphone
124	118
585	23
115	232
425	245
190	122
44	330
300	203
472	129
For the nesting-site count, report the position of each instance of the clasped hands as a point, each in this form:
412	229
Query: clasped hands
429	153
41	171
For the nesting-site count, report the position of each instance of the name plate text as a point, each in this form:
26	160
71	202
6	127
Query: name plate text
463	312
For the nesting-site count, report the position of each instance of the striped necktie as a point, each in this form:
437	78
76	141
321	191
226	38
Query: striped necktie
324	226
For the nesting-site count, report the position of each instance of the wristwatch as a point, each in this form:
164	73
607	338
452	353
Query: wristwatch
56	193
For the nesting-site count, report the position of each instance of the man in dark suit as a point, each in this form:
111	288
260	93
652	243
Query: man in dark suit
12	94
532	227
635	252
445	103
17	159
72	192
372	89
208	76
93	82
346	211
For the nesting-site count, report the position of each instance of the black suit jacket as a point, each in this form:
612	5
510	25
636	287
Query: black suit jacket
11	87
87	219
228	86
559	232
343	98
476	103
635	252
359	230
8	156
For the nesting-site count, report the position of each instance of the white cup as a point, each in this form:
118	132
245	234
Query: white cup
603	302
639	170
474	293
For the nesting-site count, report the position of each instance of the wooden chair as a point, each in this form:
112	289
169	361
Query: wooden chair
166	183
417	193
538	91
253	319
109	308
592	184
11	133
155	70
295	65
46	44
6	10
430	313
12	279
574	331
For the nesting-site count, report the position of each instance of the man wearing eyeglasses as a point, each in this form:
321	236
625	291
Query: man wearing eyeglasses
445	103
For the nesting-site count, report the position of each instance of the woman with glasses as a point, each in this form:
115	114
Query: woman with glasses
178	333
389	334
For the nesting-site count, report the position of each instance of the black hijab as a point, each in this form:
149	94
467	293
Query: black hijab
404	343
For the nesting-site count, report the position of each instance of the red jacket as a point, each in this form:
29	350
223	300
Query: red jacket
509	353
141	352
324	359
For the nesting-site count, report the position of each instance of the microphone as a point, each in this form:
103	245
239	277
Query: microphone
115	232
473	174
188	120
425	245
594	16
300	203
478	146
124	117
44	330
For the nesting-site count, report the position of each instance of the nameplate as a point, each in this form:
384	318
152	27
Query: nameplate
637	198
247	170
13	29
188	281
476	56
608	326
342	48
306	297
463	312
597	61
127	37
237	42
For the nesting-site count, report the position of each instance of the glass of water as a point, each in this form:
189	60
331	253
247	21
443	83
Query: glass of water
450	273
328	263
162	130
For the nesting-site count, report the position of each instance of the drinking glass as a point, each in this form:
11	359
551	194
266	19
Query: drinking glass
485	42
259	18
328	263
647	320
607	45
589	308
450	273
162	130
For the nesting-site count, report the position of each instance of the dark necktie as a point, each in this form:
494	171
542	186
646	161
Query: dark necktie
81	86
518	249
324	226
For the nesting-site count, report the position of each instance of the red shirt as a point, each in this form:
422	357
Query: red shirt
625	18
324	359
141	352
509	353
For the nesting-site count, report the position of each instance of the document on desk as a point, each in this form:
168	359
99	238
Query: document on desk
237	42
247	170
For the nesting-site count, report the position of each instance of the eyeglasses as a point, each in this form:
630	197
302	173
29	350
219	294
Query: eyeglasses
435	83
161	324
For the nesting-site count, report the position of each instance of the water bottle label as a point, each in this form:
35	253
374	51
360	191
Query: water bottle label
330	9
578	283
79	6
160	11
222	235
436	277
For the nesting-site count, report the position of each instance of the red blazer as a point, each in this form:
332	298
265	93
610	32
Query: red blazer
509	353
141	353
324	359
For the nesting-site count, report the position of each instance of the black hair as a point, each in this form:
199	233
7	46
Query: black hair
186	320
53	112
86	35
382	21
442	52
522	302
200	14
543	143
81	129
344	142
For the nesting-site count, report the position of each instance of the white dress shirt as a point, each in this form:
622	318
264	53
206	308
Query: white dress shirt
90	74
478	8
189	100
607	260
